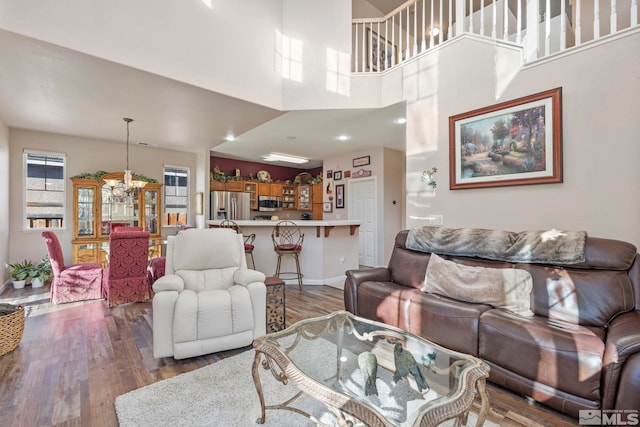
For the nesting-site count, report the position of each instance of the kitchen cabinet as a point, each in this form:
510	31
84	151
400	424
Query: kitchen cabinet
276	189
269	189
317	200
234	186
289	196
96	212
264	189
304	198
215	185
252	188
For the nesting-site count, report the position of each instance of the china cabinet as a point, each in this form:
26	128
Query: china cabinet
97	211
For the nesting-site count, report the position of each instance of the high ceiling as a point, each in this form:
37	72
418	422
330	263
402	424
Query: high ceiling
49	88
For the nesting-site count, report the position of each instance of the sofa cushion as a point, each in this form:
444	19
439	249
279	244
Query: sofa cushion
450	323
560	355
384	302
580	296
506	288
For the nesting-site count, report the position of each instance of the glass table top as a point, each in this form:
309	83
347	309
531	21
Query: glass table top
341	351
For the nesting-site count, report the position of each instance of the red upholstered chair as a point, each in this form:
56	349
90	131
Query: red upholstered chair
127	228
125	278
156	269
74	282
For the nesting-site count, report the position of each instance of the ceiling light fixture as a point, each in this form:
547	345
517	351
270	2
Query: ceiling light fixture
343	137
277	157
230	137
119	187
401	120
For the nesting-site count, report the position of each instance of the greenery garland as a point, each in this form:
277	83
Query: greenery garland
100	174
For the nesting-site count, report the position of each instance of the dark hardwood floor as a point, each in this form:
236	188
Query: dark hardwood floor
75	359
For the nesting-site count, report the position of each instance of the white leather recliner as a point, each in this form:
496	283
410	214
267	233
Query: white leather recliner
207	301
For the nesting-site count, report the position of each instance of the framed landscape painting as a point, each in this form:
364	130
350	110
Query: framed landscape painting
516	142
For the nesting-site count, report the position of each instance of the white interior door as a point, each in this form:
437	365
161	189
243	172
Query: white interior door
363	206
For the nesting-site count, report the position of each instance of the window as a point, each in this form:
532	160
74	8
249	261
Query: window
176	196
44	190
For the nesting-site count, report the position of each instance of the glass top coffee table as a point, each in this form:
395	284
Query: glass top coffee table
370	373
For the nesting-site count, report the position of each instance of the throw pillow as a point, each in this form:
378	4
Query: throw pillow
505	288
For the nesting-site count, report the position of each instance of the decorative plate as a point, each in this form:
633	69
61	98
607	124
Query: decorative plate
263	176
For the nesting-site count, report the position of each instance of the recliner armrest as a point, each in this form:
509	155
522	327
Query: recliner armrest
378	274
355	278
623	337
623	341
245	276
170	282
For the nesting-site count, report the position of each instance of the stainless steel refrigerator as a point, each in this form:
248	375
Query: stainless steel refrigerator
230	205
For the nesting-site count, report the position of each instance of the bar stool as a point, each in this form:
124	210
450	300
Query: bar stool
248	239
287	240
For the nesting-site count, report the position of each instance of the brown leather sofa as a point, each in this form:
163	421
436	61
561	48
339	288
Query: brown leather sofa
579	351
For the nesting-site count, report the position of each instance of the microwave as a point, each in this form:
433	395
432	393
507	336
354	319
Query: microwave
269	203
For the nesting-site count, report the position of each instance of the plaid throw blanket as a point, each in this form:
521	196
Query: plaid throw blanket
544	247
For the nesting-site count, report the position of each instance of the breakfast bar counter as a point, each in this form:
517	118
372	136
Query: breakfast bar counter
329	249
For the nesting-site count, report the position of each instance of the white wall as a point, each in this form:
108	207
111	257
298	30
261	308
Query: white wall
324	30
83	155
227	48
4	201
601	99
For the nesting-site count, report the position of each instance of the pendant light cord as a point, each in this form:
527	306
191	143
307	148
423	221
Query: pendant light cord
128	121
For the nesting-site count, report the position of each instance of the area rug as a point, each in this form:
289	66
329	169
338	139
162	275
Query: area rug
221	394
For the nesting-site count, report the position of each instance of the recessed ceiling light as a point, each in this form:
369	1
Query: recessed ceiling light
343	137
291	137
277	157
230	137
401	120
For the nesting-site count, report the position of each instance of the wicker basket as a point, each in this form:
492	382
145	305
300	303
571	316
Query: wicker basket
11	327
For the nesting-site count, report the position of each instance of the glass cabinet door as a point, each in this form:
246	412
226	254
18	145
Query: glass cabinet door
304	197
118	210
86	211
151	209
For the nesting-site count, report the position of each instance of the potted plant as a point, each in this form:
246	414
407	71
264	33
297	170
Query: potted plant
42	272
20	272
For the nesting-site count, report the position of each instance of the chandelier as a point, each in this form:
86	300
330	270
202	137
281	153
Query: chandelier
128	184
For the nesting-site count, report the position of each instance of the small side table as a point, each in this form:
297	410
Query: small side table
275	304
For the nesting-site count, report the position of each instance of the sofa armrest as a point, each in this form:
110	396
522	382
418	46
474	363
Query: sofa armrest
245	276
355	278
170	282
623	341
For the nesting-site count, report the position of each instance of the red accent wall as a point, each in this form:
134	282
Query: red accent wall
250	169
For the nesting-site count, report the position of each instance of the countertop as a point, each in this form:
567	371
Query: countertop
298	222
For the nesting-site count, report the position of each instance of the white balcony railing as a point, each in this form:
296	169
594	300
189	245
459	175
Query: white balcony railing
542	27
